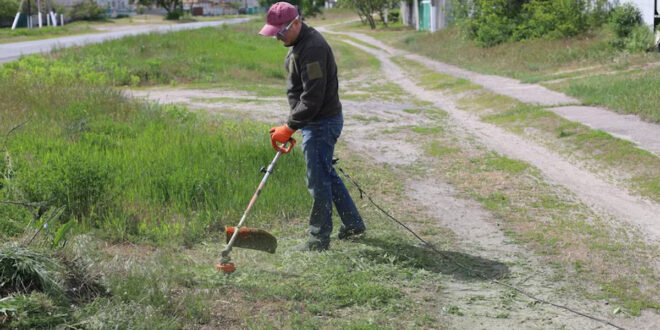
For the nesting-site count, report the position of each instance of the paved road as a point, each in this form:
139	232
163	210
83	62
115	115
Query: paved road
12	51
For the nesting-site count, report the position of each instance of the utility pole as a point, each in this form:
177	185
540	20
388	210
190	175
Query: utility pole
39	15
29	15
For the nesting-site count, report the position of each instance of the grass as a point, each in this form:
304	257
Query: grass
149	186
582	60
88	154
432	80
129	171
550	222
628	92
83	27
636	168
202	56
22	34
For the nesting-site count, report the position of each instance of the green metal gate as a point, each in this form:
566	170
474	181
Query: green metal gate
425	15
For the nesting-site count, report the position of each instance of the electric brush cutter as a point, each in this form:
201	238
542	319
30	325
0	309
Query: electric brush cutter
252	238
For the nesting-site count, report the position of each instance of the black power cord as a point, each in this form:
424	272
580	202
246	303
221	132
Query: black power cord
457	263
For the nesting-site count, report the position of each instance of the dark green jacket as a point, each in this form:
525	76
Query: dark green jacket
312	86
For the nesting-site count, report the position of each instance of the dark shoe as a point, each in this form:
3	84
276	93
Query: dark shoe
349	233
311	246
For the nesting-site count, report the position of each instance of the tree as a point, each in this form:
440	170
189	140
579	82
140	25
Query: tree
308	8
174	8
367	8
8	9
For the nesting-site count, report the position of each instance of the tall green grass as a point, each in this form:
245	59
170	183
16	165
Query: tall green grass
204	55
138	171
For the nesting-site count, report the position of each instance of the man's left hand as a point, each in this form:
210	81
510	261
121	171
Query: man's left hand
281	134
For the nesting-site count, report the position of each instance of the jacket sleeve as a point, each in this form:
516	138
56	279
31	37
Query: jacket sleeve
313	73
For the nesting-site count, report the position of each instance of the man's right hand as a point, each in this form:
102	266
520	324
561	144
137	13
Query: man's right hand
281	134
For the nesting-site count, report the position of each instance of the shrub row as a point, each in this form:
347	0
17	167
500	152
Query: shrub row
491	22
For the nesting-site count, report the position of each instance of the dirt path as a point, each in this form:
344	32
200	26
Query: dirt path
489	306
605	198
629	127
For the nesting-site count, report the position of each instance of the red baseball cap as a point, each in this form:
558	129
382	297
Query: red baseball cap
279	15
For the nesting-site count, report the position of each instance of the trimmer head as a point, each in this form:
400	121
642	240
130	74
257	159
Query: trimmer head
253	238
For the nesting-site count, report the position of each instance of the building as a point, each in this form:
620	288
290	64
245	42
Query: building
426	15
113	7
221	7
650	10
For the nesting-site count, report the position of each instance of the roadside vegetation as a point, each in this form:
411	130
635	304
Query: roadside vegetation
599	65
94	26
636	169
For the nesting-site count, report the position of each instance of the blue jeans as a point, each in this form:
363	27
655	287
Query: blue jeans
323	183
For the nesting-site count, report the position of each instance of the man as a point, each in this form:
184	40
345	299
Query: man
312	90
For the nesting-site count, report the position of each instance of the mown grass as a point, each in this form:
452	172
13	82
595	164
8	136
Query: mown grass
550	221
535	213
432	80
636	168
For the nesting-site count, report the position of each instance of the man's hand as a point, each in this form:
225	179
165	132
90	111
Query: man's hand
281	134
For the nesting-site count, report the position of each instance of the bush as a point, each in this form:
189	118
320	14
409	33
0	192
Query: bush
8	9
550	19
624	19
490	22
393	16
174	14
640	39
87	10
34	311
78	178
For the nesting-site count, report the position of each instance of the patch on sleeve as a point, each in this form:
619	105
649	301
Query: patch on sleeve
314	70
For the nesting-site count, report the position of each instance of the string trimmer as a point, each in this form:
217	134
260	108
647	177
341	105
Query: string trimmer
252	238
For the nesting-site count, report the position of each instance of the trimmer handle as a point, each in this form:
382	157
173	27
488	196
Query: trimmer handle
283	148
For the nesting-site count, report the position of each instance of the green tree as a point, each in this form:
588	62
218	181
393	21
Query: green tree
174	8
366	9
490	22
8	9
308	8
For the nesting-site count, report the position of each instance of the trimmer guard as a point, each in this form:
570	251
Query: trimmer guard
253	238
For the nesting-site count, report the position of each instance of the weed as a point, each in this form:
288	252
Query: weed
36	310
23	270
